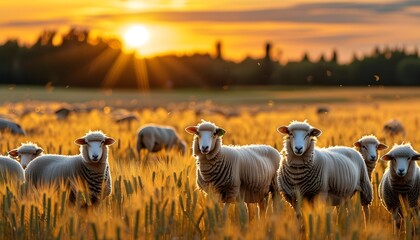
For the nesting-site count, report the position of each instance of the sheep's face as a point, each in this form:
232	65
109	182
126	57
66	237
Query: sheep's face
95	148
26	155
299	139
401	157
369	150
206	137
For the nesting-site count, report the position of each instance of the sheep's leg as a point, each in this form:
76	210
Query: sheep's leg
262	208
397	221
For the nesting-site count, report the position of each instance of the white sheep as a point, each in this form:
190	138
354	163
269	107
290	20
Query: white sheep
26	153
90	167
155	138
369	146
246	173
306	171
393	128
9	125
401	179
11	171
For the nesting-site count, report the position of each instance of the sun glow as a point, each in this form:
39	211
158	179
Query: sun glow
136	36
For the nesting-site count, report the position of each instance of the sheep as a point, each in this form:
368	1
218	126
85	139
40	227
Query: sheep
11	171
306	171
393	128
9	125
63	113
90	167
400	179
155	138
237	173
369	146
26	153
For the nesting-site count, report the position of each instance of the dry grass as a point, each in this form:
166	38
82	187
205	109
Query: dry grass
157	198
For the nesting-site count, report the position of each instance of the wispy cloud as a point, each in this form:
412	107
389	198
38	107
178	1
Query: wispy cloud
326	13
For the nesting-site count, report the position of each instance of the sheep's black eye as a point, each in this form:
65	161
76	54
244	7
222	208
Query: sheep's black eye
307	135
364	147
102	142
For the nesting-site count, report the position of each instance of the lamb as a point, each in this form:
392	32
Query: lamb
155	138
9	125
306	171
237	173
369	146
393	128
401	178
90	167
11	171
26	153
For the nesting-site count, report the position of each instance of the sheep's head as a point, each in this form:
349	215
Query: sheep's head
300	135
401	157
207	134
369	146
26	153
95	145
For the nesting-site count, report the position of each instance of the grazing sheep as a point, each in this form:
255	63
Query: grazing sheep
26	153
393	128
11	171
333	173
237	173
90	167
129	118
9	125
401	179
369	146
62	113
322	110
155	138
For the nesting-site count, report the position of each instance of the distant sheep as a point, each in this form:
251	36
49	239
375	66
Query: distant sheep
237	173
401	179
26	153
9	125
322	110
62	113
155	138
90	167
369	146
333	173
11	171
393	128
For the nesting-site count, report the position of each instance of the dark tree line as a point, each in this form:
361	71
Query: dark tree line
80	61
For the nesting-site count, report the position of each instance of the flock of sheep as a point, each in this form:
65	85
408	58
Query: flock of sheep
250	173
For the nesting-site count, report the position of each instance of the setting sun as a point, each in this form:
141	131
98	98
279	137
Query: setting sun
136	36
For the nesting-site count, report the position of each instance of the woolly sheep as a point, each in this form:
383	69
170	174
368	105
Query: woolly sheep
26	153
401	178
11	171
369	146
394	127
306	171
62	113
245	173
155	138
9	125
90	167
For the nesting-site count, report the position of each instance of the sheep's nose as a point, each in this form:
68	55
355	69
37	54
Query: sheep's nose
204	148
400	171
372	157
95	156
298	149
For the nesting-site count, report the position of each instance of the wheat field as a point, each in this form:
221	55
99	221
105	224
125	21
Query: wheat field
155	196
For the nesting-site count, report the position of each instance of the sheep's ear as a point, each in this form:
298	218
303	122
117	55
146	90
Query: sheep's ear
382	146
13	153
109	141
39	151
80	141
220	132
283	130
386	157
191	129
358	144
315	132
416	157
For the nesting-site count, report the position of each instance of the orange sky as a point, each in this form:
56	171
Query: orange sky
243	26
